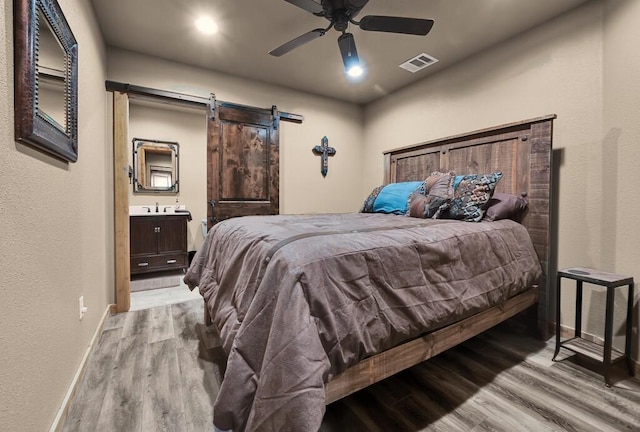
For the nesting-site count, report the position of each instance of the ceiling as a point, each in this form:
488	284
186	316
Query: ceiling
249	29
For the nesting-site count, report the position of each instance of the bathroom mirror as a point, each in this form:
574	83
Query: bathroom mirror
155	166
46	78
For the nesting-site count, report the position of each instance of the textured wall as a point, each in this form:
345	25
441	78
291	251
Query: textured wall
189	129
56	240
620	145
56	228
577	66
302	187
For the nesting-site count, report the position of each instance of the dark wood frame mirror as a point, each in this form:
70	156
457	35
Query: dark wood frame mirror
32	124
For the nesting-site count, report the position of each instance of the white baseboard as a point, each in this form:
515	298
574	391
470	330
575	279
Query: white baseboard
61	415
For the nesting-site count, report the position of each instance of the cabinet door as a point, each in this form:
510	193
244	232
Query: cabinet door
172	236
143	234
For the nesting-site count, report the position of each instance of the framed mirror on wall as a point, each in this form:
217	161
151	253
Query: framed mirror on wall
155	166
46	79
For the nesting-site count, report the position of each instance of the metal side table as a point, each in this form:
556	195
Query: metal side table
606	354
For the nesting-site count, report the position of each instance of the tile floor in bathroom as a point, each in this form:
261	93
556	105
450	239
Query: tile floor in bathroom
157	290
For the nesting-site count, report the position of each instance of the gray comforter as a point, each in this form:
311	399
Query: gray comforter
298	299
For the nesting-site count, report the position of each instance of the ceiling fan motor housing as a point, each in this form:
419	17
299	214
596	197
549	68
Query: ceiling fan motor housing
334	9
341	22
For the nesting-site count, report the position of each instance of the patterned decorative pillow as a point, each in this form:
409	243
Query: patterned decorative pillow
392	198
367	207
424	206
506	206
471	195
440	184
439	187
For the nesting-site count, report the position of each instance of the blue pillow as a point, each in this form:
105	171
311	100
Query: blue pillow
394	197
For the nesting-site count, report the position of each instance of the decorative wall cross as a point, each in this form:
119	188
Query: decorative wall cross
324	151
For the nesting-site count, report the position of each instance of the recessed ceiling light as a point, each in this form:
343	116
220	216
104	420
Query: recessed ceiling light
206	25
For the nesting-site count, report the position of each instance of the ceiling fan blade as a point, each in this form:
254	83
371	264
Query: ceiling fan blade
348	50
308	5
299	41
414	26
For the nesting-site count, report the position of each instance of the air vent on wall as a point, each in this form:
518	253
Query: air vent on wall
418	62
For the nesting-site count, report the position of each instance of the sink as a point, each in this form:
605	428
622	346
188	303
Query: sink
144	210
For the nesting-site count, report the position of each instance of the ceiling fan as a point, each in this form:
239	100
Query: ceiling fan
341	13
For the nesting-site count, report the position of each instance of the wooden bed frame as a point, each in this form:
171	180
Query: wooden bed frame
522	151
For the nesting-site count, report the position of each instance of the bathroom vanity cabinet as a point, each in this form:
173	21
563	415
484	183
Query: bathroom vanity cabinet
158	243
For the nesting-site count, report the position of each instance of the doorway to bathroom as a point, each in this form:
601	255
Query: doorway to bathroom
201	203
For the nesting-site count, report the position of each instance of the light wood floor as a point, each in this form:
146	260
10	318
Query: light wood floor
158	370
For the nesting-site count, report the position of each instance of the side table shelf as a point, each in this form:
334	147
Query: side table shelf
606	354
590	349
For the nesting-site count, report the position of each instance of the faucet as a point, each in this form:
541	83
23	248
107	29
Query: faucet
165	208
157	207
148	209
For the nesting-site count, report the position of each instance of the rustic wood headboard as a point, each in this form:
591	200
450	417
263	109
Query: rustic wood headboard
521	151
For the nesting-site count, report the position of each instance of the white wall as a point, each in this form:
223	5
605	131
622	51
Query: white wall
578	66
56	236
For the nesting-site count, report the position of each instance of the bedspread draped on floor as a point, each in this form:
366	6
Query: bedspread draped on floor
298	299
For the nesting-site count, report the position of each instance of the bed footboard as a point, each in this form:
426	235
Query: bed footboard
394	360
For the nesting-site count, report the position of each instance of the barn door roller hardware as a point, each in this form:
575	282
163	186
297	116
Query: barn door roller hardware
185	99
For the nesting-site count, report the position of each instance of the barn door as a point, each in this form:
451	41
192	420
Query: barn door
242	161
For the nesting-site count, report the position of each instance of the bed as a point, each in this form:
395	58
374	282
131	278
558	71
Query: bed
311	308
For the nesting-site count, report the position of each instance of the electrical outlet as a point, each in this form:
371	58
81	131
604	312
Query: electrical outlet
82	308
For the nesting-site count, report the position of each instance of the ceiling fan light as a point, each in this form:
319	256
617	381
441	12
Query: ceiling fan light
206	25
355	71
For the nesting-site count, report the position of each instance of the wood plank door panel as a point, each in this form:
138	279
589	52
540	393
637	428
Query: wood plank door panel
243	163
172	234
143	235
503	154
417	167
